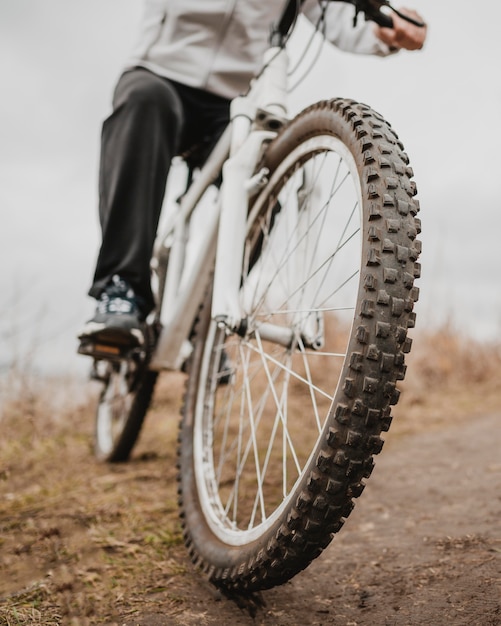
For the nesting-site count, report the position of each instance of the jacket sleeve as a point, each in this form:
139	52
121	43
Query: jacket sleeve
340	31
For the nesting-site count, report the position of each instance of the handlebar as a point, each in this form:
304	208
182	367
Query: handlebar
372	11
370	8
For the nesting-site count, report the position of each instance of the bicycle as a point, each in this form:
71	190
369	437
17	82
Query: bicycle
291	319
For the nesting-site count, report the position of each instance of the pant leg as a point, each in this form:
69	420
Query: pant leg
207	115
138	142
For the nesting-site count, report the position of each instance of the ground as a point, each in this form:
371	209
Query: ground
87	543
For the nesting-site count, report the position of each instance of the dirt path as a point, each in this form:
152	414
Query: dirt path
423	545
83	543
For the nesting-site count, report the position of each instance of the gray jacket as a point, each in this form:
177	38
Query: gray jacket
217	45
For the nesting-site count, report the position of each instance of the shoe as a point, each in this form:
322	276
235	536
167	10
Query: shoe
118	323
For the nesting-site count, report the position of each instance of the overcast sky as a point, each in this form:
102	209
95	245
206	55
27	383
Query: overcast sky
59	61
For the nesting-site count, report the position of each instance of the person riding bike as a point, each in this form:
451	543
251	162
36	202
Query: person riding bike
192	58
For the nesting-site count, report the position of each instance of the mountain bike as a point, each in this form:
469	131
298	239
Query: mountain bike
289	310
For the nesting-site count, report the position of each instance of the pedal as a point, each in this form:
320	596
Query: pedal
105	351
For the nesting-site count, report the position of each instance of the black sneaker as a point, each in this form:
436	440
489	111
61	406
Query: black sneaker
117	325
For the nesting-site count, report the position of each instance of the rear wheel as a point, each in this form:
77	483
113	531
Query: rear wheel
282	420
124	400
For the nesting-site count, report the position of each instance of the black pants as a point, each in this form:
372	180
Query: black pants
153	120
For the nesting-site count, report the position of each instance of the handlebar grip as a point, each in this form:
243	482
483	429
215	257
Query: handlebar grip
382	19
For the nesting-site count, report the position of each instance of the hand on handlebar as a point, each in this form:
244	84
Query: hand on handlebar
403	34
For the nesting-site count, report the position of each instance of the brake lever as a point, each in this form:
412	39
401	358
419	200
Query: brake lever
372	11
407	18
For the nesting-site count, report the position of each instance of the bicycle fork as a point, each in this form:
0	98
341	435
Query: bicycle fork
240	181
228	307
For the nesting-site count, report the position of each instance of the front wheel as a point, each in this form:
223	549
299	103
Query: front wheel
282	420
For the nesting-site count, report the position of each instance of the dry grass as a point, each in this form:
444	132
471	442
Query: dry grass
449	378
80	541
84	543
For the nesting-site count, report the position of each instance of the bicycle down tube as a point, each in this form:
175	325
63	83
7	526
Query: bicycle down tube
226	224
182	303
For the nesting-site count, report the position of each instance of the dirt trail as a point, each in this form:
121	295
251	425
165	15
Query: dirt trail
83	543
423	545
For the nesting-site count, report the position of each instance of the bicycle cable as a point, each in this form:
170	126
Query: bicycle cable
319	28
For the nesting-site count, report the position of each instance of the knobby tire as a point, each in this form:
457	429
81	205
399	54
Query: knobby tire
246	547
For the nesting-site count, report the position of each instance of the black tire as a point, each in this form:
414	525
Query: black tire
322	421
122	406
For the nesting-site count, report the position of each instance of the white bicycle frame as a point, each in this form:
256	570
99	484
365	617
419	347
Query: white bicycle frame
236	155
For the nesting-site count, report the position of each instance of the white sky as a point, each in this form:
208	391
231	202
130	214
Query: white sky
59	61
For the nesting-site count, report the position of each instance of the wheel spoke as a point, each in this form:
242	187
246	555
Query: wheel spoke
243	427
310	385
289	252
